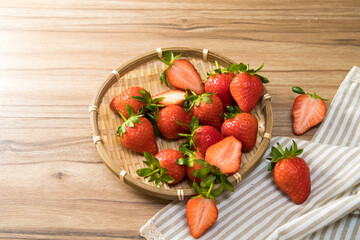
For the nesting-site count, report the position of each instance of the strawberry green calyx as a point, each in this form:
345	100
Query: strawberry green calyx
152	108
241	67
212	175
189	155
299	90
130	121
168	58
278	154
217	70
233	112
192	99
194	126
154	171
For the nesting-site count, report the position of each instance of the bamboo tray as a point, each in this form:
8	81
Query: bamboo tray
145	71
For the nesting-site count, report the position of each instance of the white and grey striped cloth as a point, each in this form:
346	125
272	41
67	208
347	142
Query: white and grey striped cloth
258	209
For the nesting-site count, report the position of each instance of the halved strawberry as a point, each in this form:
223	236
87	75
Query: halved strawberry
180	73
308	111
226	155
201	213
171	97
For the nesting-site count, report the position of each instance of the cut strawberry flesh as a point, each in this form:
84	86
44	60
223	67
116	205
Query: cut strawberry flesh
171	97
307	112
201	213
226	155
183	75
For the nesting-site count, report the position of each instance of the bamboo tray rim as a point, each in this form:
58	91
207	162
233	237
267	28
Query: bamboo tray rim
131	65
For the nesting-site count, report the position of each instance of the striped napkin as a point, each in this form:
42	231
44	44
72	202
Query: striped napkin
258	209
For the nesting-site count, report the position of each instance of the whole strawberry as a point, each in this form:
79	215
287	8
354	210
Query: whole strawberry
243	126
308	111
219	82
247	87
202	137
126	97
137	133
168	159
291	173
207	108
167	121
180	73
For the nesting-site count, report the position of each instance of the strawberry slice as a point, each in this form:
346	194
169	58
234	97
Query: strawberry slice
171	97
225	154
308	111
181	74
201	213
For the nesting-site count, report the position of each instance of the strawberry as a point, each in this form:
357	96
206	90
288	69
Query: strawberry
201	213
167	121
219	82
202	137
171	97
167	159
180	73
247	87
207	108
154	171
243	126
308	111
196	166
137	133
291	173
189	160
226	155
125	97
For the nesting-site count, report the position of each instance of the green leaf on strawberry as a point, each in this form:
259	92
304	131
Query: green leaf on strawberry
154	171
245	68
299	90
279	153
217	70
130	121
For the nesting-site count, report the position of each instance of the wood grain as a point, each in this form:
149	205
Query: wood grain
54	55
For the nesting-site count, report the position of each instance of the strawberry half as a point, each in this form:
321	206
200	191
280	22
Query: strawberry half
308	111
219	82
207	108
137	133
167	121
247	87
226	155
201	214
291	173
180	73
243	126
171	97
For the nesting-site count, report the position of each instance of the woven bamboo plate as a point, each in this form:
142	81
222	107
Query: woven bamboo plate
145	71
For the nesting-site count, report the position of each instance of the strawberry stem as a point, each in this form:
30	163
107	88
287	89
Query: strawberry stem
122	116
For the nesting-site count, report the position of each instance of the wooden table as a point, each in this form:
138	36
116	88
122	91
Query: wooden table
54	55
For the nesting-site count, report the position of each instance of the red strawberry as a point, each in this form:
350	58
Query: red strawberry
202	137
196	166
219	82
167	159
119	102
226	155
166	121
291	173
243	126
201	213
171	97
137	133
247	87
308	111
181	74
207	108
